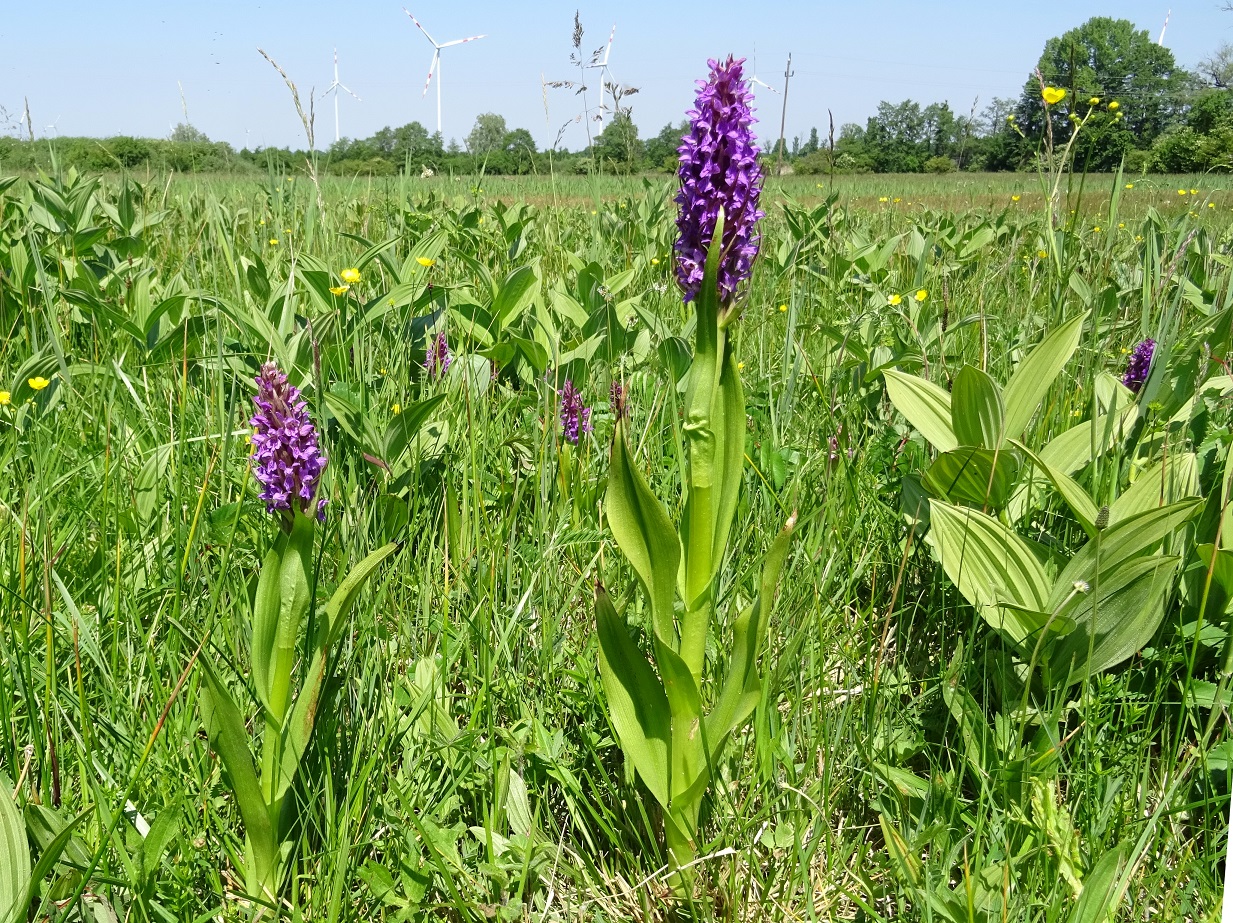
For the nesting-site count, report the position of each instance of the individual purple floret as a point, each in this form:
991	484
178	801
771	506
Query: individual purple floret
1137	367
437	357
286	459
719	168
575	418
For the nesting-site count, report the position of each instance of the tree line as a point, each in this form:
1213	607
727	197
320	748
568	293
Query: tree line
1132	104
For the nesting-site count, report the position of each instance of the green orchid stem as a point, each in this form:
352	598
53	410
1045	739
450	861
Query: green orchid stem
681	854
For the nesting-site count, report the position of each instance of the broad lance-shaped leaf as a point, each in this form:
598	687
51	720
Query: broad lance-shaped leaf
742	687
988	562
644	533
636	700
228	739
926	406
1114	618
1075	496
265	619
14	856
294	599
976	409
730	429
703	405
298	728
1174	478
1120	543
974	476
1030	382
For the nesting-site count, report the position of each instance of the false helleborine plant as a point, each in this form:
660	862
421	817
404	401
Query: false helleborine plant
660	712
288	463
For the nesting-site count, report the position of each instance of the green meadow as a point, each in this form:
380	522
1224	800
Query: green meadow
994	680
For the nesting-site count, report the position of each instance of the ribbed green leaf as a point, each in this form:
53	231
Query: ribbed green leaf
1031	379
988	562
515	296
1114	618
1075	496
976	409
265	619
14	856
1103	889
294	599
644	534
228	739
926	406
636	700
1120	543
1174	478
742	687
297	730
974	476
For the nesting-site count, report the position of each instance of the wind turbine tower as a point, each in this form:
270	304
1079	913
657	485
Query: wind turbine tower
605	75
435	66
334	88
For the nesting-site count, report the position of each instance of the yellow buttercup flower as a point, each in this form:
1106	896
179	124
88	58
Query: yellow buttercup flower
896	200
1113	106
1094	101
340	289
350	276
397	408
882	198
921	294
1052	95
654	261
273	241
895	299
5	398
1211	204
1130	185
1121	225
1181	192
1194	192
1042	254
38	383
1096	230
262	222
783	309
425	262
1014	198
740	366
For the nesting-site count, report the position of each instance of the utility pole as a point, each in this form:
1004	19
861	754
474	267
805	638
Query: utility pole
783	119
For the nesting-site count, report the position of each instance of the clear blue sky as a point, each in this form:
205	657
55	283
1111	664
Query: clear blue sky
102	69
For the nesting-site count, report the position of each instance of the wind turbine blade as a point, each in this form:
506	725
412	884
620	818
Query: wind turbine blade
432	69
761	84
608	50
462	41
348	89
421	28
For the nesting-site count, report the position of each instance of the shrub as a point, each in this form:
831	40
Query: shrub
940	165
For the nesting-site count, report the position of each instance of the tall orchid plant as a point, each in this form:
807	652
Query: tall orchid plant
288	463
660	711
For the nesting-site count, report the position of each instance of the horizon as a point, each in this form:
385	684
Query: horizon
203	60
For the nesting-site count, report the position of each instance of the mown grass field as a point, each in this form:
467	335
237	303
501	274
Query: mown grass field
901	762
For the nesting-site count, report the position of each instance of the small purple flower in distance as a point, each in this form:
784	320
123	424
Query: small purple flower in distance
616	398
1137	367
286	459
719	168
575	418
437	357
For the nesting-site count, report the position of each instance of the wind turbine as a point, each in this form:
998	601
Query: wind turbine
754	78
605	75
1165	26
334	88
435	66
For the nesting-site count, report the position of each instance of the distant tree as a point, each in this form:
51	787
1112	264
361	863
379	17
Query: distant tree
618	144
488	135
810	146
1216	69
895	138
185	133
1106	59
661	150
